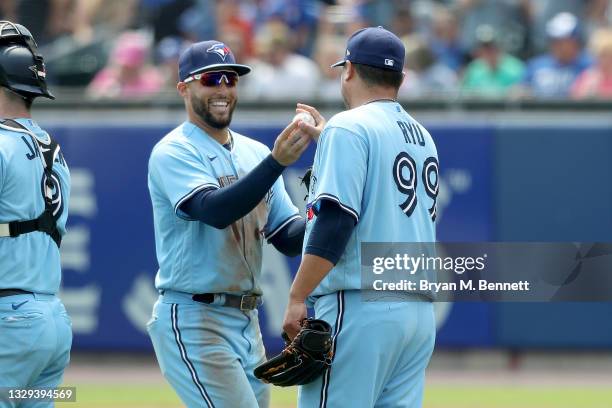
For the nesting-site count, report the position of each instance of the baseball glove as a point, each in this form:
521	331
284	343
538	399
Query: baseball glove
303	359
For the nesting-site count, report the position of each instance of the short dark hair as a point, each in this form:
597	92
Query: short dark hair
373	76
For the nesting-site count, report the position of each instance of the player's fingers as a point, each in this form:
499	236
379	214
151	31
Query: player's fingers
295	137
319	119
284	135
312	131
301	144
300	110
291	329
301	122
302	147
301	137
308	108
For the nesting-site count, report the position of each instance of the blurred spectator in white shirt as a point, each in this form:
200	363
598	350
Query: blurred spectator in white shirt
278	72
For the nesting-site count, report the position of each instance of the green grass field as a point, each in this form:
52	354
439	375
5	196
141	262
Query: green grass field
149	396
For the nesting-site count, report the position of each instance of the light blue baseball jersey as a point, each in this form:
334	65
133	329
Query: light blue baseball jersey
194	257
381	166
30	261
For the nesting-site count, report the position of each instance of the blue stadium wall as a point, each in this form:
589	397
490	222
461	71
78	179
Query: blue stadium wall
498	183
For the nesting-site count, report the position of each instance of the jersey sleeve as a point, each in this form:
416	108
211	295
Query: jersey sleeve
179	173
2	171
281	209
341	170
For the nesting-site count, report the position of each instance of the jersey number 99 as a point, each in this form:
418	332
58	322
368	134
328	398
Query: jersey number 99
408	185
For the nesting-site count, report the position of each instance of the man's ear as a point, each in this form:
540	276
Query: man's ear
181	87
350	70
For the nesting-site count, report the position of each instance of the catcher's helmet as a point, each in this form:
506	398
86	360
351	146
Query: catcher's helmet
22	68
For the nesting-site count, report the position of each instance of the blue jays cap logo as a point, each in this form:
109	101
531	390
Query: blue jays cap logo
220	49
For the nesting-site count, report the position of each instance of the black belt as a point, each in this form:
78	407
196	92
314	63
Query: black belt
242	302
13	292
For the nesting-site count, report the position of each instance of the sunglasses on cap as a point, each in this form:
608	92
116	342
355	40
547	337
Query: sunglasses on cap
214	78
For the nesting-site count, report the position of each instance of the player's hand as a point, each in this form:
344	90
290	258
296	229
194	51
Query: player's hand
313	131
290	144
294	314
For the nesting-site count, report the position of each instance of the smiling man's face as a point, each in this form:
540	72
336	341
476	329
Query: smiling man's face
213	104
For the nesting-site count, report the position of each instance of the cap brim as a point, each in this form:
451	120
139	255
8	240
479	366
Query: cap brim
33	90
239	68
338	64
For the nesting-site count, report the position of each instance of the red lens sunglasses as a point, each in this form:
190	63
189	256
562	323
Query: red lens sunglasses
214	78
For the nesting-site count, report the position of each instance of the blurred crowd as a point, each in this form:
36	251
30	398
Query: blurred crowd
454	48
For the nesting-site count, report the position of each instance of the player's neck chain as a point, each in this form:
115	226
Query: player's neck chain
229	145
231	141
381	100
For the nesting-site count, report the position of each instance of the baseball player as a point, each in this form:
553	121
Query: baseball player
374	179
216	195
35	331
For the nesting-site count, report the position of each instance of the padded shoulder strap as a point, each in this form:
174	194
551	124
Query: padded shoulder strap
46	222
